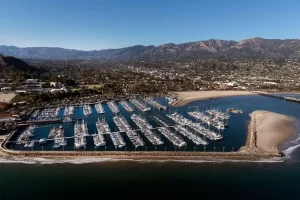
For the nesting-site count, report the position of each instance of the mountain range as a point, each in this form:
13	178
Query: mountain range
253	47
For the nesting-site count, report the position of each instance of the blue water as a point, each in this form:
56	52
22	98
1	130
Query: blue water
107	178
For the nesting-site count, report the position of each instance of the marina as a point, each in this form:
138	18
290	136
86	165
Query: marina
87	110
140	105
213	118
99	108
69	111
49	113
155	104
159	130
207	132
102	128
175	139
113	107
80	133
146	129
26	135
58	135
126	106
123	125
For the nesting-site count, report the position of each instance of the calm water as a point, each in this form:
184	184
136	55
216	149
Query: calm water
152	179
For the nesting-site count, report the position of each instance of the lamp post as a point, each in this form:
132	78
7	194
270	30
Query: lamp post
223	149
232	149
155	149
214	149
194	149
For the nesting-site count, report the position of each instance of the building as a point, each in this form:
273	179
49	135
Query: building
31	85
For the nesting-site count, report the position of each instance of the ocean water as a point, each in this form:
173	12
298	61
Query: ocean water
78	178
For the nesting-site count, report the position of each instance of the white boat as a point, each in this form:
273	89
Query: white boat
64	142
147	109
67	119
43	141
80	144
56	145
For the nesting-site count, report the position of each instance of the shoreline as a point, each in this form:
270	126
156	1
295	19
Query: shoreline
191	96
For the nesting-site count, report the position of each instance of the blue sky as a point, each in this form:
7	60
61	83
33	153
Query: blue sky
102	24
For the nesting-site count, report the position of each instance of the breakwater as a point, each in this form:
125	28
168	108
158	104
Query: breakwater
137	154
287	98
269	95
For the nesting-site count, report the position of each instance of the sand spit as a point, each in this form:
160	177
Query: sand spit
266	131
188	97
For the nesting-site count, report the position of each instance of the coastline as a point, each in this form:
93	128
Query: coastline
191	96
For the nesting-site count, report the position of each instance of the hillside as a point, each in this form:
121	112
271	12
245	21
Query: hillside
254	47
11	67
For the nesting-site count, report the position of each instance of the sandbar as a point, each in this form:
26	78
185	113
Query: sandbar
190	96
267	130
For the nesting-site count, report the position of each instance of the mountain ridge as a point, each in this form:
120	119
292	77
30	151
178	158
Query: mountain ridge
251	47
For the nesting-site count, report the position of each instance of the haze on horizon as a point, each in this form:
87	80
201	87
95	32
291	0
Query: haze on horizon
103	24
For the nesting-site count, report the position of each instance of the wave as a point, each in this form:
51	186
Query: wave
288	152
294	142
47	161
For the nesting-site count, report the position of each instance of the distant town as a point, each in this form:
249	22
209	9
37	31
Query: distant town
52	82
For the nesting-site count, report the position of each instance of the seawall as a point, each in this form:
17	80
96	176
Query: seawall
137	154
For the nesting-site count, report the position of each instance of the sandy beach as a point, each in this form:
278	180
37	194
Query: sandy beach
188	97
6	97
267	130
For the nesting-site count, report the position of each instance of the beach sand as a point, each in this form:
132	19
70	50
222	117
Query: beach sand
267	130
6	97
188	97
272	129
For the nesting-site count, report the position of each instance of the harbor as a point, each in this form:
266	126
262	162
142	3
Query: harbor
208	128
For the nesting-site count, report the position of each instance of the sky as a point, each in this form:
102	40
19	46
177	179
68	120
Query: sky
104	24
